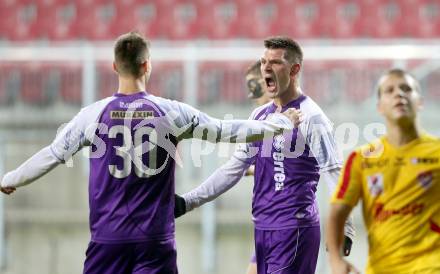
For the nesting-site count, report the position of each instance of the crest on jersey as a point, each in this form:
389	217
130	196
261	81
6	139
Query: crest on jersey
375	184
278	142
425	179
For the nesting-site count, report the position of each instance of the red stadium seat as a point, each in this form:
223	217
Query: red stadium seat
95	19
422	18
9	84
385	19
6	15
222	82
60	21
19	20
260	19
344	19
142	16
71	84
167	80
221	20
301	18
432	84
107	81
180	20
39	84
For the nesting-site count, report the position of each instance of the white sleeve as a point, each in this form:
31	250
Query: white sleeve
68	141
331	178
35	167
321	140
66	144
223	179
71	138
192	123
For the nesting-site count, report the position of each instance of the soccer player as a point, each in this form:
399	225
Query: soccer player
287	170
132	137
397	179
256	85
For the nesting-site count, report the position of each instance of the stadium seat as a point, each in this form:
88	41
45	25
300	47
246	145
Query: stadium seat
9	84
107	80
167	81
39	85
221	21
432	86
95	19
343	19
19	20
222	82
141	16
259	19
301	18
180	20
71	84
60	22
422	18
384	19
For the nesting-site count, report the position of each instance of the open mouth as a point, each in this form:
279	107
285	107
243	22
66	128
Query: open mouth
400	105
270	83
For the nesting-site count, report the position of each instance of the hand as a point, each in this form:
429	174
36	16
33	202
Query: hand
347	246
179	206
250	171
341	266
294	115
7	190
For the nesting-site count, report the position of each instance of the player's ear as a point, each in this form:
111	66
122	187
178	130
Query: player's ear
295	69
114	67
379	107
145	67
420	102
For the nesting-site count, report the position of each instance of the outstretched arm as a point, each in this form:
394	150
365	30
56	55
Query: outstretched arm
223	179
37	166
67	142
335	238
189	122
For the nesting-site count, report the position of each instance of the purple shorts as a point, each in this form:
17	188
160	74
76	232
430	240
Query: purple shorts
155	257
287	251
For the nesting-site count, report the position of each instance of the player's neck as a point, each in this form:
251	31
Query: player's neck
292	94
131	85
400	135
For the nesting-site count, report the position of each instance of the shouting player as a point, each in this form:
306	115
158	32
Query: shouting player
132	136
397	179
287	170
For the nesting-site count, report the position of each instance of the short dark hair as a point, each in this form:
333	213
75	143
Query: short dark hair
293	53
254	69
131	50
399	73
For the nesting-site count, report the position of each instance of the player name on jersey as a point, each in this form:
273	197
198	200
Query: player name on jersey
121	114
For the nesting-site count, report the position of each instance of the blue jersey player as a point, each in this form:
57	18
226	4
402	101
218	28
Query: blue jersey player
132	137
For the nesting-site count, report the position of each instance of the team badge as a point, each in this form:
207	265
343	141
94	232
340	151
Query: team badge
425	179
278	142
375	184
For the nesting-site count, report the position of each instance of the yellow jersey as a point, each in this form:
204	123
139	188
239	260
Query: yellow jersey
400	192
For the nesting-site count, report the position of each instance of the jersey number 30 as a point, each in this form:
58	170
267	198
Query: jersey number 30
132	152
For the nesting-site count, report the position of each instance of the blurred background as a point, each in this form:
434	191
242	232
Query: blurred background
55	56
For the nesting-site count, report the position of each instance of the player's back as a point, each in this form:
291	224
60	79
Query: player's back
132	179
